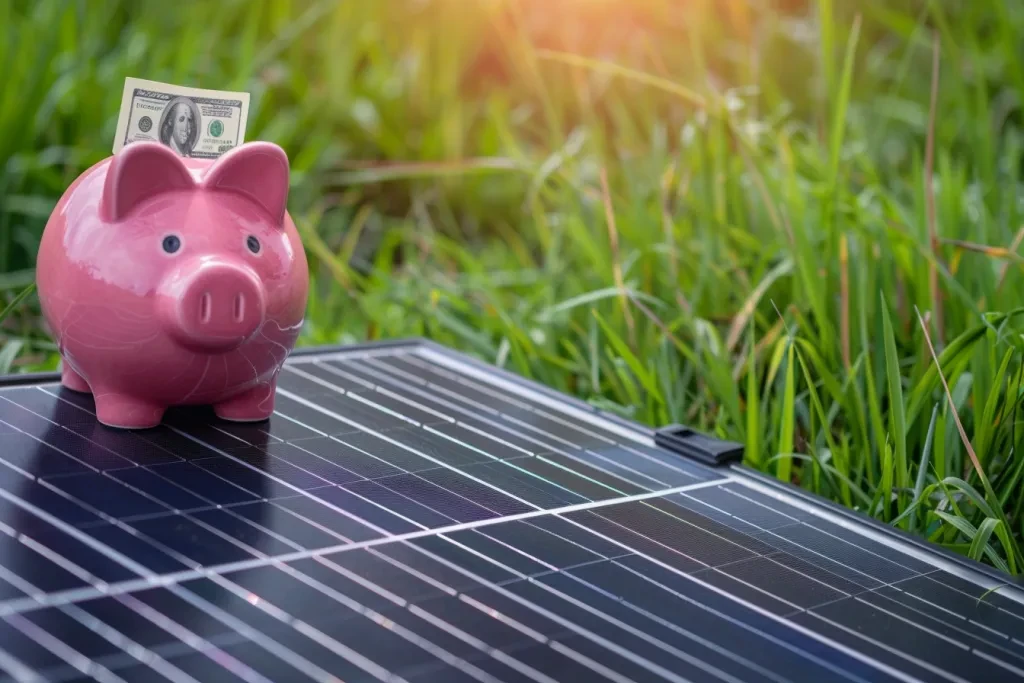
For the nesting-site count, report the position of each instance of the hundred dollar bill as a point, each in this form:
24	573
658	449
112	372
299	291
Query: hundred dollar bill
197	123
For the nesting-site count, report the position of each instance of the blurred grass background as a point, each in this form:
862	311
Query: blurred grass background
791	223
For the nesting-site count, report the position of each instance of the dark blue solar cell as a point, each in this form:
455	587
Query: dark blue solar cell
363	511
714	616
393	455
540	544
136	548
263	477
511	558
61	438
251	535
152	484
316	422
15	640
280	427
64	626
8	591
280	667
118	613
297	466
108	495
282	523
448	504
491	497
204	483
420	510
671	468
557	665
448	552
32	566
36	458
392	576
201	666
339	522
31	500
590	540
523	484
74	548
189	539
491	442
336	461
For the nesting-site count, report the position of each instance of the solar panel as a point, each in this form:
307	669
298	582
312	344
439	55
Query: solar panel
410	514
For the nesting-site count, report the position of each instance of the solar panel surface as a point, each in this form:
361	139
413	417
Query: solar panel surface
410	515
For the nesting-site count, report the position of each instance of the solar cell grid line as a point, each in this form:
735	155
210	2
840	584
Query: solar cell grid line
763	533
224	660
1006	620
1001	637
385	373
84	663
448	418
385	437
693	661
483	399
465	419
129	648
213	530
16	669
502	590
444	465
432	403
66	653
511	411
973	573
467	374
808	543
215	451
597	469
365	611
959	633
216	655
459	404
13	606
893	585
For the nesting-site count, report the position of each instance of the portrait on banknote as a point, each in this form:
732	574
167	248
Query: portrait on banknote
180	125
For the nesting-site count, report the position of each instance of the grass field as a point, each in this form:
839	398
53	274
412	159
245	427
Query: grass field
794	224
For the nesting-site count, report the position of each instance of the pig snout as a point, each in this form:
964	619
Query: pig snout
214	306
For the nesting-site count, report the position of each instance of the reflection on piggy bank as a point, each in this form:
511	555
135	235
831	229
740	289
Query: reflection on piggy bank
170	281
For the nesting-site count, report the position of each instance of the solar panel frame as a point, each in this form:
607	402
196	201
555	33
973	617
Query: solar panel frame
744	556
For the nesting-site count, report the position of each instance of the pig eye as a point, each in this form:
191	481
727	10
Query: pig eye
171	244
253	244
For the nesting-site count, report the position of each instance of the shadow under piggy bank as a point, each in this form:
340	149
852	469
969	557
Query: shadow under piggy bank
116	505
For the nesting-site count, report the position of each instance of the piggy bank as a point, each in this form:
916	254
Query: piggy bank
173	281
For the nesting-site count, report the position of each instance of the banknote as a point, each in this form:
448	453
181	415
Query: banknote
194	122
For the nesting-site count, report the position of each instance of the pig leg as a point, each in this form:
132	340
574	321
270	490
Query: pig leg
253	405
126	412
73	381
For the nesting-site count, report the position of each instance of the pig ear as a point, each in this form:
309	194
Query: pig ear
257	170
138	172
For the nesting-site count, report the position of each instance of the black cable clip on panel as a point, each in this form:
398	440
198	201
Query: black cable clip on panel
690	444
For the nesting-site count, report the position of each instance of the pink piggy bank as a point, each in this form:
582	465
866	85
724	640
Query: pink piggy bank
174	281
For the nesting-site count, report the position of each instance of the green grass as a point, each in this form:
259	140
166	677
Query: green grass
777	222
